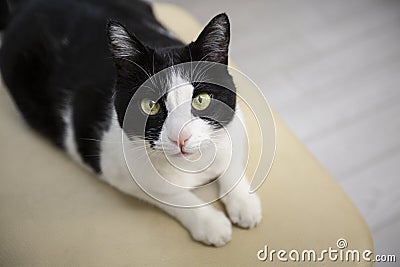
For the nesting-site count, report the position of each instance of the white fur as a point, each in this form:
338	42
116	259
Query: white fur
69	141
206	224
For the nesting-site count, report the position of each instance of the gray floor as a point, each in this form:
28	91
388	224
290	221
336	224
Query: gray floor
332	70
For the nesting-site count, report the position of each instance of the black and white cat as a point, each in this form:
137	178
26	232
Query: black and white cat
72	72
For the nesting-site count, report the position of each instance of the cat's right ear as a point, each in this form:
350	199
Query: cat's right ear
124	46
213	42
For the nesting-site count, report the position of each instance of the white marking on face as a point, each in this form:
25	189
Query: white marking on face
178	104
182	132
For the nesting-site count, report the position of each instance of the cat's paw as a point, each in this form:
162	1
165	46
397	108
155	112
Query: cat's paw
244	210
213	229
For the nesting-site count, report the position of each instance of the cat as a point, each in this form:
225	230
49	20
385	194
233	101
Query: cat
72	68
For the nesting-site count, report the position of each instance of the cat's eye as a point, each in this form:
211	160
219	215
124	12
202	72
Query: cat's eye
201	101
149	106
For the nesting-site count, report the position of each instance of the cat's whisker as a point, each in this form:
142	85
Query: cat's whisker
154	51
201	75
134	147
140	67
98	140
191	64
92	155
200	61
219	131
140	142
148	154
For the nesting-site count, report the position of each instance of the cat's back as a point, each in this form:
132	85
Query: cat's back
63	44
55	60
53	54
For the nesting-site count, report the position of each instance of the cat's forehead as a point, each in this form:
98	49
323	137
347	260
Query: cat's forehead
164	58
179	91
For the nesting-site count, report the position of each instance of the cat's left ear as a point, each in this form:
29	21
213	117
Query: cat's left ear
124	45
213	42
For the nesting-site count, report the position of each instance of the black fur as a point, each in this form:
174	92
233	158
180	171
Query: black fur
56	54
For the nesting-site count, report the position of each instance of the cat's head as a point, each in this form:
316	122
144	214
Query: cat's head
173	113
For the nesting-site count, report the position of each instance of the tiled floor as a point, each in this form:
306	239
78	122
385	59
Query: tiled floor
332	70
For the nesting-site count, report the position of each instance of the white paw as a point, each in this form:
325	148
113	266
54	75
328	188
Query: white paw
213	228
244	209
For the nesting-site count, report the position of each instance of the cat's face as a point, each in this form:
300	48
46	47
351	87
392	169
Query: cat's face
174	112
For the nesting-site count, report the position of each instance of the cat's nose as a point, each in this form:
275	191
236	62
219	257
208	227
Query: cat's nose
181	139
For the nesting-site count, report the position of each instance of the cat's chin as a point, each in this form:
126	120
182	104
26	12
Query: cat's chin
191	156
182	154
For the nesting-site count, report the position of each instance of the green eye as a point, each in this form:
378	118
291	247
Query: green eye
150	107
201	101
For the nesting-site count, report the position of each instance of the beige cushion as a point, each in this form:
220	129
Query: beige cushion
52	212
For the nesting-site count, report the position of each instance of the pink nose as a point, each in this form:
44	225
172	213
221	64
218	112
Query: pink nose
181	140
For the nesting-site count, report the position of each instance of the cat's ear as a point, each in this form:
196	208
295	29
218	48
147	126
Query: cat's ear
213	42
124	45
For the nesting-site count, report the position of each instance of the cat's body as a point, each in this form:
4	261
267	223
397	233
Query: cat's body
56	62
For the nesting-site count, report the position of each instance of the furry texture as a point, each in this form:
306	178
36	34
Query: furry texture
72	71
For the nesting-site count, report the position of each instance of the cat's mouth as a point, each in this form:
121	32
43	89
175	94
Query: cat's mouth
182	153
177	153
186	156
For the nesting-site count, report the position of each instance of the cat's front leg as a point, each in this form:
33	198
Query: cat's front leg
205	224
244	209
